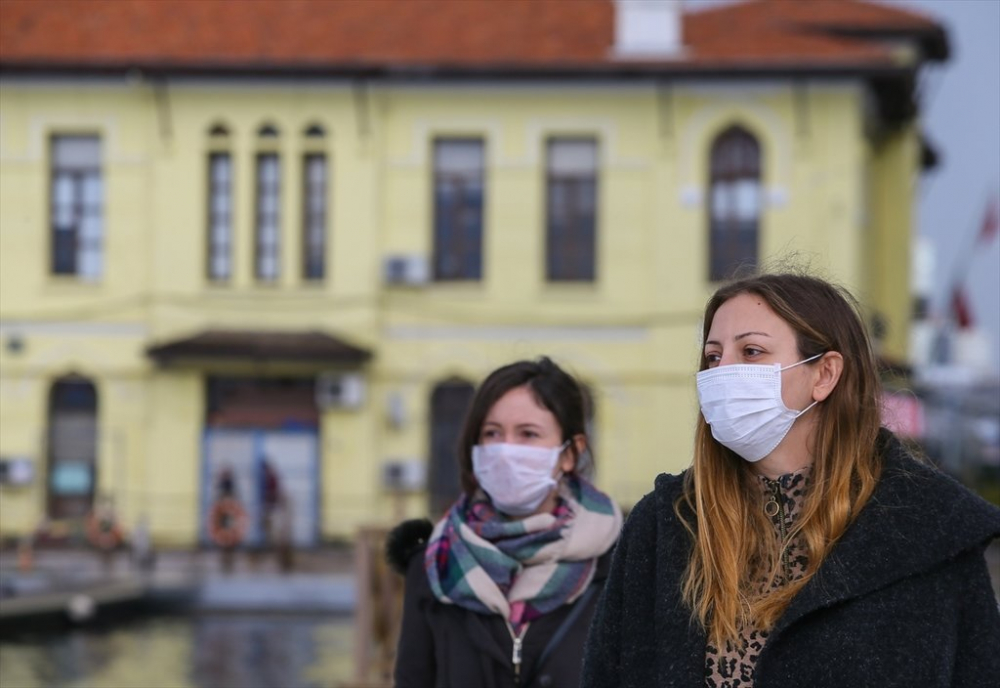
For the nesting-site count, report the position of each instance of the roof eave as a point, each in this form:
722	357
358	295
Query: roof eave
452	72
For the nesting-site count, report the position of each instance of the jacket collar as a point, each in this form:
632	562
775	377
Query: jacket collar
916	519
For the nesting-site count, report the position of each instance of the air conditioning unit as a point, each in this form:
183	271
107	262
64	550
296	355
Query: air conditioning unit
340	390
404	475
405	269
16	470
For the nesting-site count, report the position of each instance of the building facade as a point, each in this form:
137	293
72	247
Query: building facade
287	241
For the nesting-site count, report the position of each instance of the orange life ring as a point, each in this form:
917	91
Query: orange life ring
227	522
103	532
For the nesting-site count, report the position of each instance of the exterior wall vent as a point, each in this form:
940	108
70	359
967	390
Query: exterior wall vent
405	269
404	475
340	391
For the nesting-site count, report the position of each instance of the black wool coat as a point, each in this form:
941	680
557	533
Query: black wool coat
446	646
903	599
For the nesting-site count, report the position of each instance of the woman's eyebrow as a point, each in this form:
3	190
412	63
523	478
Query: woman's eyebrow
747	334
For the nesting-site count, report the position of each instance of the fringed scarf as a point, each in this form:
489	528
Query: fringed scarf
523	569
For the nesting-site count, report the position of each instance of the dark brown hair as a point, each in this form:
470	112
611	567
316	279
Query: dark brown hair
552	387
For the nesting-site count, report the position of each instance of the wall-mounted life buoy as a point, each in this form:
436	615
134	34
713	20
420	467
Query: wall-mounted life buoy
227	522
103	531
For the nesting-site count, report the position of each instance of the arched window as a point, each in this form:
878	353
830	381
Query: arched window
314	131
267	215
449	402
733	203
219	243
267	131
315	210
72	447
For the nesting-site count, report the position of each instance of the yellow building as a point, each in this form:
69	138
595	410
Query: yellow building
236	236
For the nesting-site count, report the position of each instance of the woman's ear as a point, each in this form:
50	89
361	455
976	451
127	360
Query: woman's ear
578	445
827	375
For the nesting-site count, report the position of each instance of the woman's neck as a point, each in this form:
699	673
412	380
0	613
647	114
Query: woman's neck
792	453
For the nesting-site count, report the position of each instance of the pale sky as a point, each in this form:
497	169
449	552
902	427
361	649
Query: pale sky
961	115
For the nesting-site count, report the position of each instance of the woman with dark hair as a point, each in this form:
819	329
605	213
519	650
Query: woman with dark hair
500	591
804	546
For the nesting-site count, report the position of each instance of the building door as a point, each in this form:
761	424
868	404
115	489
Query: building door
449	402
246	457
262	437
72	448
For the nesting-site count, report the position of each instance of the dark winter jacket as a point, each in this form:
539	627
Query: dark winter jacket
447	646
903	599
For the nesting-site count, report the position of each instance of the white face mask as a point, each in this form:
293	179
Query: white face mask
743	405
517	477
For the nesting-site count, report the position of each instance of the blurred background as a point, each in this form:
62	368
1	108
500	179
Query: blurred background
256	255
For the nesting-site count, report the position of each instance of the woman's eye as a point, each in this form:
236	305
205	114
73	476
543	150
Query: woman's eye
751	351
712	358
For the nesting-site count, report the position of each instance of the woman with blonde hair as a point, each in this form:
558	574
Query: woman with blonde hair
804	546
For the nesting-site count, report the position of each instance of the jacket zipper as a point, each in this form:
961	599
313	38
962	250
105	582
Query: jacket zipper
515	655
776	507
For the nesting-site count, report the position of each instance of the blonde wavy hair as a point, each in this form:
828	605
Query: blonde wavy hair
721	505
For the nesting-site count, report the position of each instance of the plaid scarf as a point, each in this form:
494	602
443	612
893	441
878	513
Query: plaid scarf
480	560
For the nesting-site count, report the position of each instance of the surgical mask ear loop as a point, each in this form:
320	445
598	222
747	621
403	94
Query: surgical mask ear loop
811	358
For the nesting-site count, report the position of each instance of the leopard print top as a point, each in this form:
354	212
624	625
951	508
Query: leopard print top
734	665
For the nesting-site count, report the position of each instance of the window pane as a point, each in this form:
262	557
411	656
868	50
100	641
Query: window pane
267	242
220	204
64	252
90	262
92	191
458	209
76	152
314	214
219	221
90	233
734	203
220	267
721	200
220	169
573	157
62	190
746	199
572	210
76	206
460	157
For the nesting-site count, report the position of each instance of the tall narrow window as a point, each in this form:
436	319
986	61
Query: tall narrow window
571	223
314	217
72	447
267	234
220	216
77	207
734	203
458	209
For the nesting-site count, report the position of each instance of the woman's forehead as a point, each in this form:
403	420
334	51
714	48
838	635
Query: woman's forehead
518	405
748	314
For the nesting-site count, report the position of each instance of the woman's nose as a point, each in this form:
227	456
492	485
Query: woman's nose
727	358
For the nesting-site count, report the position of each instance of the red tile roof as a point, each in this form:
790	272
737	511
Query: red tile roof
517	35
